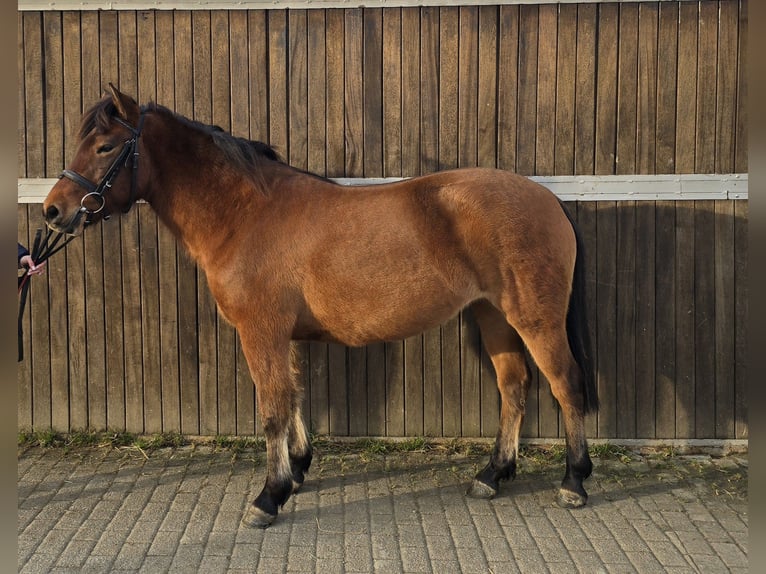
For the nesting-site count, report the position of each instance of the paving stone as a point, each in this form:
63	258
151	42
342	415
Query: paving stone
180	511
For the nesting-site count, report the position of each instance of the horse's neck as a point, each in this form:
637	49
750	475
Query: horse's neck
197	202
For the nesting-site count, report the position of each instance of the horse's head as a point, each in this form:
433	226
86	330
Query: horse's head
101	178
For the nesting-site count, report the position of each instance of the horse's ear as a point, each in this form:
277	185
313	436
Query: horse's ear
127	108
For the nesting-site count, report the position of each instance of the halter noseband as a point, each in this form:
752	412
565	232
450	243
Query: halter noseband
97	190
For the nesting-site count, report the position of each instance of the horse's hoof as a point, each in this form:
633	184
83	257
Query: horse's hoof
479	489
569	499
257	518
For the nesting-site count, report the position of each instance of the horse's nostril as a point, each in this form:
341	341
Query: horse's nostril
51	213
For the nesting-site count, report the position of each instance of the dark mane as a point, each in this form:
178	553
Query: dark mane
245	155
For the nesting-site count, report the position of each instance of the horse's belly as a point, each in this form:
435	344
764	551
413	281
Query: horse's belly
385	314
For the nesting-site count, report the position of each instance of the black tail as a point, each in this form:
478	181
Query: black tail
577	324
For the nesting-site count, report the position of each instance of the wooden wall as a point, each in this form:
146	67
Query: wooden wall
122	332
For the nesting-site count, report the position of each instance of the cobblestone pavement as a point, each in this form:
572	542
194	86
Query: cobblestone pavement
179	509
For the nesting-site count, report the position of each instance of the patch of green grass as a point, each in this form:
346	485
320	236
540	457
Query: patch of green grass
42	438
610	451
238	443
414	444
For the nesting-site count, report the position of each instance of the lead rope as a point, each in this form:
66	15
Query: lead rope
42	250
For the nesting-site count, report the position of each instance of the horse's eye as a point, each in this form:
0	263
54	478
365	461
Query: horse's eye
105	148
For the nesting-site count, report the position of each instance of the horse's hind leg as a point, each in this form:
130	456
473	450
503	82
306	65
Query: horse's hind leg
506	351
550	350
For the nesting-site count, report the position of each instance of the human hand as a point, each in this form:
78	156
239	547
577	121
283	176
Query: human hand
32	269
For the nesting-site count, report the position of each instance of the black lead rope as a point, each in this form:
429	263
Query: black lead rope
42	250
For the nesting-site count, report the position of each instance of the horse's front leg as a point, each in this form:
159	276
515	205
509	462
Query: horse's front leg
278	399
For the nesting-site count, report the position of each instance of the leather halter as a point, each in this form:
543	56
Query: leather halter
97	190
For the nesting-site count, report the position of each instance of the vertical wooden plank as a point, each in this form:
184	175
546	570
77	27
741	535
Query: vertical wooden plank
148	65
686	92
297	89
316	71
707	56
372	89
410	91
566	67
665	313
585	91
645	332
336	73
470	370
220	62
318	387
72	58
54	93
34	94
627	79
625	331
507	86
375	375
741	139
587	222
647	90
258	74
449	79
186	275
393	91
59	343
358	401
151	313
131	260
705	357
393	359
168	348
338	391
413	423
725	319
606	294
686	99
21	112
545	134
430	69
277	83
487	86
354	92
606	90
238	66
468	84
127	50
741	317
132	325
112	253
726	89
667	73
527	94
685	315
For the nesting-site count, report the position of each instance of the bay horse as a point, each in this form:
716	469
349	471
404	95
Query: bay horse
293	256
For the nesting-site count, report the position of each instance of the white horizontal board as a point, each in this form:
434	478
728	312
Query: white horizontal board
566	187
270	4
